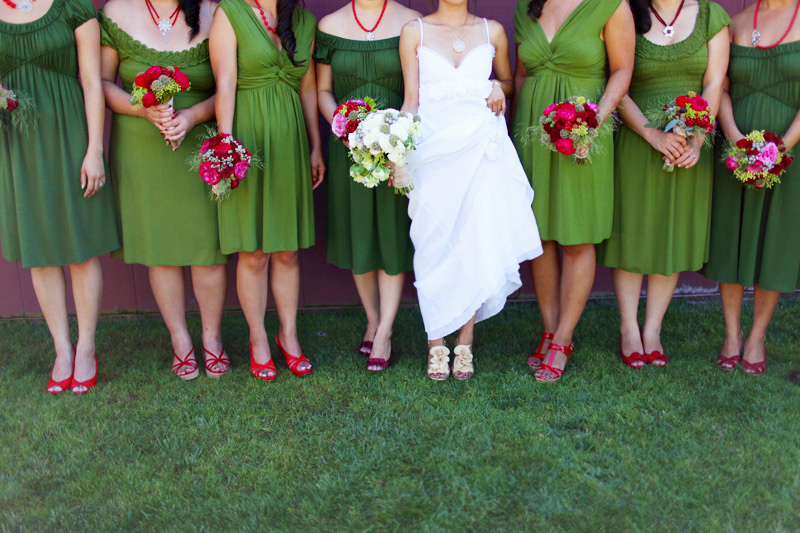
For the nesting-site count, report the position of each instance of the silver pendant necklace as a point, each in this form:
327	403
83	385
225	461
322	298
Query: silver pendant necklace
458	44
25	6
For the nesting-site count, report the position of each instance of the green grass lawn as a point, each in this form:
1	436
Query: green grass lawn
684	448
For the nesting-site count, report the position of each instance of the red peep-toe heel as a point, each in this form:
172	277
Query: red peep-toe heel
293	361
88	384
546	367
63	385
256	368
656	358
756	368
213	360
193	371
536	358
636	360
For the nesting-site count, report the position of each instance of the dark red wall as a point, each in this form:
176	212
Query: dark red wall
127	287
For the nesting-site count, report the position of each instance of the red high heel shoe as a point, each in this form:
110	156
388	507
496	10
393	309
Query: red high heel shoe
293	361
365	348
193	371
536	358
88	384
546	366
756	368
64	383
656	358
256	368
636	360
729	363
213	360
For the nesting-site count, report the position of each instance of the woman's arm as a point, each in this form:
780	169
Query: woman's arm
308	99
87	39
669	144
409	42
222	45
327	99
503	84
619	34
725	118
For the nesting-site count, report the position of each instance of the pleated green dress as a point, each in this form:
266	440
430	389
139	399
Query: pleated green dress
754	234
272	209
661	219
573	203
367	229
44	218
164	211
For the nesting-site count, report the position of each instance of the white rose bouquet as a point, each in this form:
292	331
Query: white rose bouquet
379	146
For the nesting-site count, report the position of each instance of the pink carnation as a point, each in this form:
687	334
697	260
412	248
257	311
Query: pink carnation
339	125
769	154
732	163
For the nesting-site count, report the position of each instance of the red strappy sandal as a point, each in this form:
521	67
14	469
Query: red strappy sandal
729	363
365	348
756	368
546	367
536	358
88	384
212	360
293	361
256	368
636	360
193	371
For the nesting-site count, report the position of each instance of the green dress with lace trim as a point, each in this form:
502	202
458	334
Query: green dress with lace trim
165	214
367	229
573	203
44	218
272	209
662	219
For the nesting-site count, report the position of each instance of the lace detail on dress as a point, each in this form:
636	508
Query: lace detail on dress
670	52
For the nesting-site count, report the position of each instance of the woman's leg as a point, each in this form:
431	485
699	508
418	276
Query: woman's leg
764	304
169	288
659	295
731	295
210	286
252	285
368	293
628	289
49	283
285	286
546	274
391	291
87	289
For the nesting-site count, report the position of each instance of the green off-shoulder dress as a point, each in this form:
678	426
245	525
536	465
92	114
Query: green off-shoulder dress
165	214
367	228
272	209
662	219
754	234
44	218
573	203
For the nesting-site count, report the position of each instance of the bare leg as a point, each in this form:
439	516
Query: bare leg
731	295
764	305
285	286
210	284
391	291
87	289
168	283
628	288
546	274
659	295
51	291
368	292
252	285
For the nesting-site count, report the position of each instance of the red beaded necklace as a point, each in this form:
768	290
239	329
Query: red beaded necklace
668	30
264	18
757	34
370	33
164	25
25	6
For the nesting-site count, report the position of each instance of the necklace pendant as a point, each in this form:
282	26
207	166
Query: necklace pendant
165	28
459	46
756	37
669	32
370	35
25	6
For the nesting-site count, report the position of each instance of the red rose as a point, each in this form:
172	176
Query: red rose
182	80
698	103
593	123
222	148
149	99
152	74
565	146
770	137
12	105
228	172
566	113
705	121
549	109
209	173
682	101
554	137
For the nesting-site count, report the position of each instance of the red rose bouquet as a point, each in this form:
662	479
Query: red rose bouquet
758	160
158	85
349	115
223	162
16	111
570	127
685	116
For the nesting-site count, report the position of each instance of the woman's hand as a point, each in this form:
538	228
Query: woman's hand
317	167
691	155
93	174
671	145
497	100
177	128
158	114
736	136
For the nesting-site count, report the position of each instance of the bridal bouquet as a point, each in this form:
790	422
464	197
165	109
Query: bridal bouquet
158	85
223	162
570	127
685	116
758	160
17	111
379	146
349	115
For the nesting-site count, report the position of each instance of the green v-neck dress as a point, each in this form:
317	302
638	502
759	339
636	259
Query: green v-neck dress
662	219
573	203
754	234
272	209
367	229
44	218
165	214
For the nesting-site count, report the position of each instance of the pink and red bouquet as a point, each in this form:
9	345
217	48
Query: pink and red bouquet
223	162
686	116
758	160
16	111
158	85
349	115
570	127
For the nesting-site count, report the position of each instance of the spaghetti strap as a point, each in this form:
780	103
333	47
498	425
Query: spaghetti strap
420	31
488	35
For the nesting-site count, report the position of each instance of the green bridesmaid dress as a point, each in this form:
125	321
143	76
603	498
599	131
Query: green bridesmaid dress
754	234
367	229
165	214
272	209
661	219
44	218
573	203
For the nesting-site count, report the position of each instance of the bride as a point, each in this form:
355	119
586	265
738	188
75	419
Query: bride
471	216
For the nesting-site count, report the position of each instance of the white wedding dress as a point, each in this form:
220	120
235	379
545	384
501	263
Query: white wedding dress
472	223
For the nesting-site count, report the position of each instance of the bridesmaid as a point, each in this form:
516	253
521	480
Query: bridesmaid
357	55
563	48
147	203
661	219
54	210
754	238
261	53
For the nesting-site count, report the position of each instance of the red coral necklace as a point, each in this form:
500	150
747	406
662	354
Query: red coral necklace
264	18
164	24
668	30
25	6
757	34
370	33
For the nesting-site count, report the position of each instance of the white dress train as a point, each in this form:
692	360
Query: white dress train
472	220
